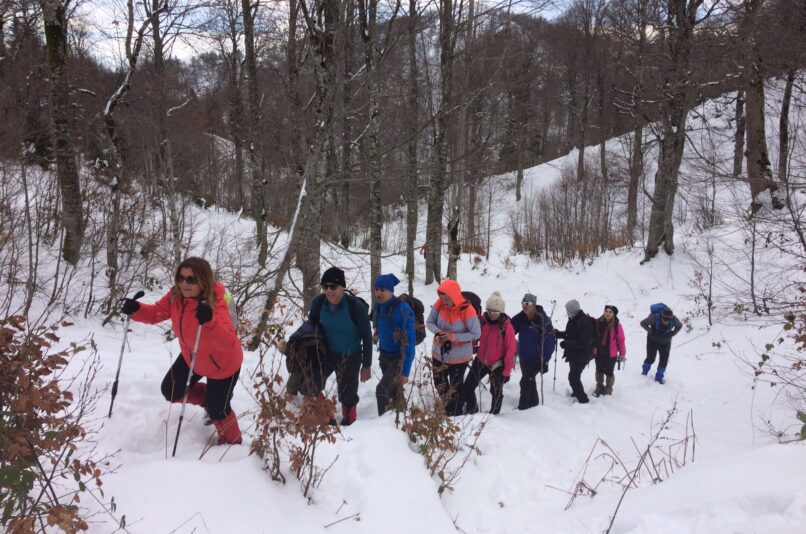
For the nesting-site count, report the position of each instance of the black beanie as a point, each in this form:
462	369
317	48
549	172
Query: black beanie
334	275
666	313
610	306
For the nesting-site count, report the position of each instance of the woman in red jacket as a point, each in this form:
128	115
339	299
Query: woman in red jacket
197	302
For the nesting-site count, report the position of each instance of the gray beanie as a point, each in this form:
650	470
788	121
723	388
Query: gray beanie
572	307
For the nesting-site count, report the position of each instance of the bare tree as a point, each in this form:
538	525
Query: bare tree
55	18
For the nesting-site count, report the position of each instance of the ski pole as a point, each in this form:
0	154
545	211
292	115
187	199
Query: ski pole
187	386
137	295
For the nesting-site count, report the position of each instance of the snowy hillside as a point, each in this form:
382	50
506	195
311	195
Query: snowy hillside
731	476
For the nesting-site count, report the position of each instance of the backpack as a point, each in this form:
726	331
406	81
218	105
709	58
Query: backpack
474	301
305	347
655	310
417	307
233	311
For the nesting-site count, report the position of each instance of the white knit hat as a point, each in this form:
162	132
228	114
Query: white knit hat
495	303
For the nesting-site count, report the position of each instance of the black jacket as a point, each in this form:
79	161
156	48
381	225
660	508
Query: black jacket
578	336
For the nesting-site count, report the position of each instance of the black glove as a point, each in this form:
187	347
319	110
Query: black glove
545	368
559	335
505	379
129	306
204	313
562	344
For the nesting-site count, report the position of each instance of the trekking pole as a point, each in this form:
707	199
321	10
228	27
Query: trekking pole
542	363
187	387
556	349
137	295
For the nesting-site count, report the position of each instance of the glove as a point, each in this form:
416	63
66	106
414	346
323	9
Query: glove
129	306
545	368
562	344
621	359
204	313
559	335
505	379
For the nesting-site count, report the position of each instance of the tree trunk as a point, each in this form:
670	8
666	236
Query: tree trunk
738	142
783	129
411	184
454	247
636	172
235	109
436	197
54	15
254	141
759	171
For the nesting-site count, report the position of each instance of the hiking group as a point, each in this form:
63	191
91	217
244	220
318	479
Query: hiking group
338	335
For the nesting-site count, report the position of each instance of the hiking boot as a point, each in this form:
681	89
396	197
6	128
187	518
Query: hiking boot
608	389
228	430
659	375
348	415
645	368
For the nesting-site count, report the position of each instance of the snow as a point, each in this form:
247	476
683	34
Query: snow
740	480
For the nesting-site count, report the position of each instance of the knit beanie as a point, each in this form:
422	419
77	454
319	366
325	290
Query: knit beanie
612	308
531	299
666	313
495	303
387	282
572	307
334	275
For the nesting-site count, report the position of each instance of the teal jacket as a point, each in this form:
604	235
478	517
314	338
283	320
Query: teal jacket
347	328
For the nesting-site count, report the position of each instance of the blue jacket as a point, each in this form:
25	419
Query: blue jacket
346	331
396	336
533	336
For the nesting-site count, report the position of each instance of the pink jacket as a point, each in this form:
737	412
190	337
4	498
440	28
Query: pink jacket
617	345
493	349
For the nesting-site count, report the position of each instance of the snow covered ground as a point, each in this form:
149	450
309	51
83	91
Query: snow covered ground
739	479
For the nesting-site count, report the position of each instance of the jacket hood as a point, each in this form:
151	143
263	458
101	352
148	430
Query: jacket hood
453	290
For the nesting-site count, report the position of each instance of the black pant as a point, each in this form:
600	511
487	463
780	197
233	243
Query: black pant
388	391
577	365
605	364
448	379
219	390
529	397
652	349
347	369
478	371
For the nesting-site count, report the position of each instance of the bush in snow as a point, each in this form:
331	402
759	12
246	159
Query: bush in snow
43	473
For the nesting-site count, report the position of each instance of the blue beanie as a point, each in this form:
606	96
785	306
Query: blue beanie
387	281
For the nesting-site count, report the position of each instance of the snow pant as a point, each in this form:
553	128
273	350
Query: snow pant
215	397
303	377
528	383
388	393
347	368
653	348
448	379
478	371
577	365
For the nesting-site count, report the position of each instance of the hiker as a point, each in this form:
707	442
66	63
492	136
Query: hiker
344	319
455	325
304	351
394	320
196	304
661	327
577	340
496	356
536	344
610	348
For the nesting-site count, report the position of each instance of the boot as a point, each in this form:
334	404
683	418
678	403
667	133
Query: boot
659	375
348	414
645	368
228	430
611	379
600	389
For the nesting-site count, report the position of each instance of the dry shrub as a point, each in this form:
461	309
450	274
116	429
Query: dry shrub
43	472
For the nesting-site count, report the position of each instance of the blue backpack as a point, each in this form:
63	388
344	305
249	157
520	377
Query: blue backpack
655	310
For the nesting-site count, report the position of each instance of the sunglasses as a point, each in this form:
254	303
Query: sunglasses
330	287
526	303
189	280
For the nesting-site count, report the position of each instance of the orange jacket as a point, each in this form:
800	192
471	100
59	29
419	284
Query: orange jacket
220	353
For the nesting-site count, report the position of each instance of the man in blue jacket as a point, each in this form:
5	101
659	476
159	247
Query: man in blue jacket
394	321
348	335
535	346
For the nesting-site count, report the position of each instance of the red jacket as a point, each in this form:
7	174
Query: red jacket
220	353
